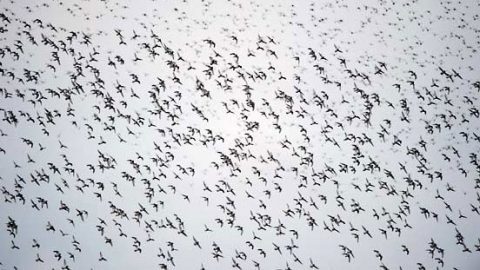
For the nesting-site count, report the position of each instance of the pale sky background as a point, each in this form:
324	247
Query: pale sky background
418	36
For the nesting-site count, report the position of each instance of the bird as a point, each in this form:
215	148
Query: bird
208	135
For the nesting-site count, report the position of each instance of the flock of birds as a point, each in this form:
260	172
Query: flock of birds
125	146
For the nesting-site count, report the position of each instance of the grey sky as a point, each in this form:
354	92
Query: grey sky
415	40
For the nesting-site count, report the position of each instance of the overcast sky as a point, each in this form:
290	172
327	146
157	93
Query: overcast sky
306	74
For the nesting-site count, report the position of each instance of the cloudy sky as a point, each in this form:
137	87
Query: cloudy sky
232	134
